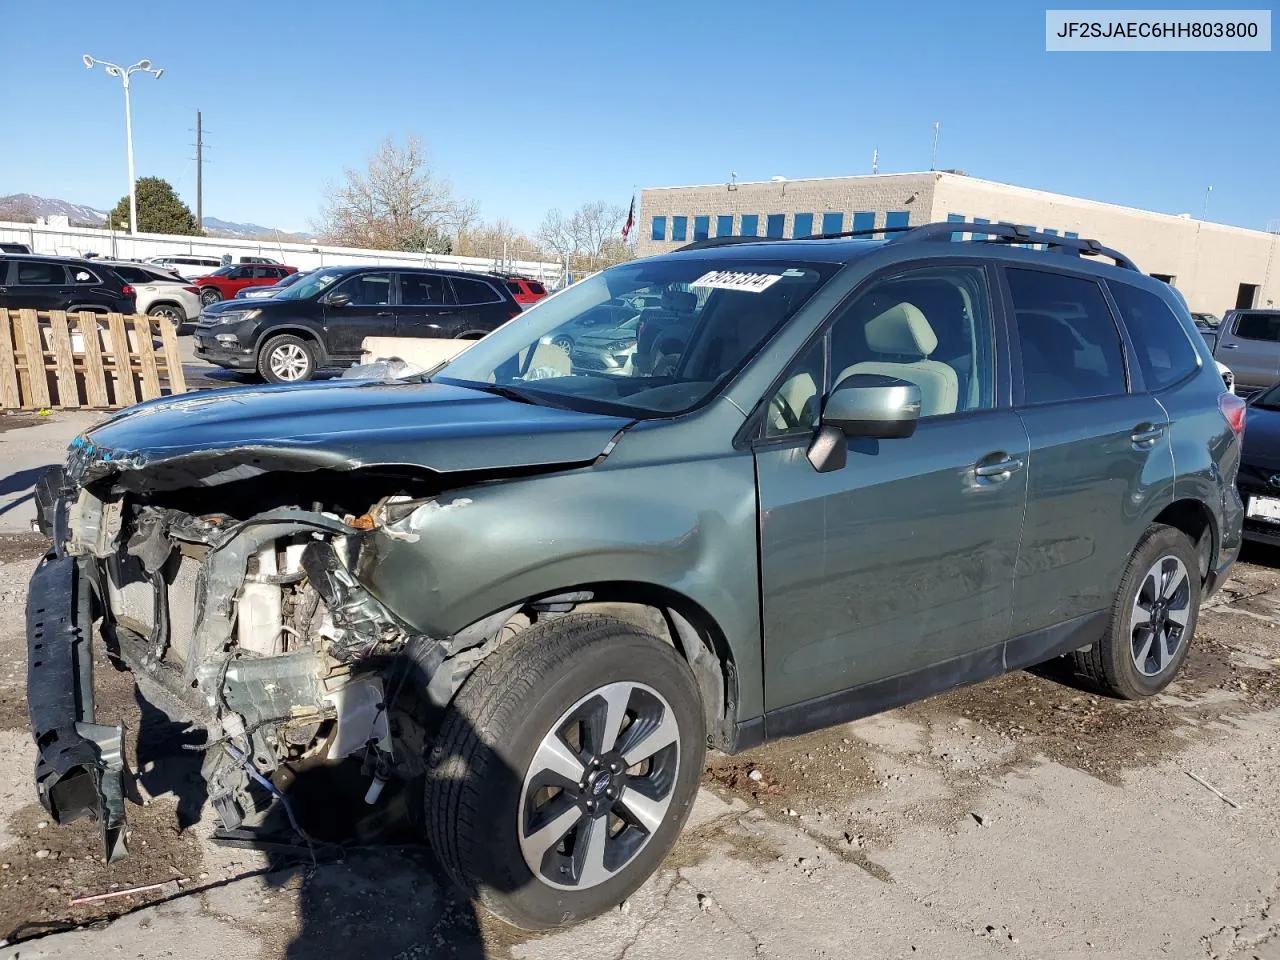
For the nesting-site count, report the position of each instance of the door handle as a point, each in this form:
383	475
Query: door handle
997	471
1144	436
1231	346
385	313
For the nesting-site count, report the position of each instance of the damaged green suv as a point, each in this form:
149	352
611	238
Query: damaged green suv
796	483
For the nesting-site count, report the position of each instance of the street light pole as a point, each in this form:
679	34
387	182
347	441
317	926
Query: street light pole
124	73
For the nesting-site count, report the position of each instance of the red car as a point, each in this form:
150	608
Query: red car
223	284
526	292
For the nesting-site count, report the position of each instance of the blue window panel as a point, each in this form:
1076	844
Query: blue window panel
956	218
897	218
775	226
1050	232
832	222
976	234
750	225
802	225
1071	235
724	225
659	229
679	228
866	220
701	228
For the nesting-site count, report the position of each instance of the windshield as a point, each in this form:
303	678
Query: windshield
222	272
312	284
646	339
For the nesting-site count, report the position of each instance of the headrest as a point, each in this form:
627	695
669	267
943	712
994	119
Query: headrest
901	330
680	301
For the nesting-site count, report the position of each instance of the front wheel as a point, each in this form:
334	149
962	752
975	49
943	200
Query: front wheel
287	359
564	770
1153	619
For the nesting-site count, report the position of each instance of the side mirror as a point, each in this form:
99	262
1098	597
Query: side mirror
337	300
863	405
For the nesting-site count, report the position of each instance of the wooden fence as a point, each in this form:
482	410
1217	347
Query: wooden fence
85	360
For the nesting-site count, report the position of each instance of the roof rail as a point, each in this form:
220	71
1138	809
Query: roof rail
994	233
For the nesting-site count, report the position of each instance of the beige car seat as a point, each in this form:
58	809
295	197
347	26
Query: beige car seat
903	332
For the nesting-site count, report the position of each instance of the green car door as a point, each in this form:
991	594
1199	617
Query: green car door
890	577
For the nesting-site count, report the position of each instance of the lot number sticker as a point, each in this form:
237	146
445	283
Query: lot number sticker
733	280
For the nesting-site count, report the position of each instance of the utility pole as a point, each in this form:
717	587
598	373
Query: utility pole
199	173
937	124
875	161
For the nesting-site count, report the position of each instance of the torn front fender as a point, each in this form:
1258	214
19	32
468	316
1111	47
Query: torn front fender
80	764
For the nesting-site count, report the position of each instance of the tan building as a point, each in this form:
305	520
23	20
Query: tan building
1216	267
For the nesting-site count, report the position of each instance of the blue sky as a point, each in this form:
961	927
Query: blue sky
527	106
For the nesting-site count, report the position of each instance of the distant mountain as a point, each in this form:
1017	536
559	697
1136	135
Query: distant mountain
25	206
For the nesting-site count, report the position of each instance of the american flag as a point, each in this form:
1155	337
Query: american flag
631	219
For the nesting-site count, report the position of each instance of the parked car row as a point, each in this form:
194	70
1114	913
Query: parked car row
321	320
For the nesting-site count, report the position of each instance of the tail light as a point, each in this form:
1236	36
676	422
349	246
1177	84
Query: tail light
127	290
192	289
1233	408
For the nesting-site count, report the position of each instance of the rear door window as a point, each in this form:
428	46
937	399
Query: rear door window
34	273
1070	345
423	290
1259	326
474	292
82	276
1163	352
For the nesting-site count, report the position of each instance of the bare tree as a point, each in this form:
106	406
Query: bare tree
590	238
396	203
498	241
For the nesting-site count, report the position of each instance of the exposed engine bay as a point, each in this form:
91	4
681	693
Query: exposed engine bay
258	629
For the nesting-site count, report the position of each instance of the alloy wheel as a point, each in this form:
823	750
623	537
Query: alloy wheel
289	361
599	786
171	313
1159	618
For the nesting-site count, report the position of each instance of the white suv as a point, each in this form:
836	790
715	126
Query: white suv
160	293
188	265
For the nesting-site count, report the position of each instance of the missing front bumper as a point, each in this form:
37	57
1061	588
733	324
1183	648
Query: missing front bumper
80	766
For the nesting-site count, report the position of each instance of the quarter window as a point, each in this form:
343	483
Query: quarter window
793	408
1069	342
1161	347
472	293
930	326
679	228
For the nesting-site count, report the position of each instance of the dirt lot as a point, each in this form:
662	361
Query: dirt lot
1020	818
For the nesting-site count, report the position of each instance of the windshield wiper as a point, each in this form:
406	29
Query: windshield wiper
510	393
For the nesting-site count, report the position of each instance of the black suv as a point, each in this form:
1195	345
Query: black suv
323	320
62	283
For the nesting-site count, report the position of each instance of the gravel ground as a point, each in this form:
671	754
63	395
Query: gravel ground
1019	818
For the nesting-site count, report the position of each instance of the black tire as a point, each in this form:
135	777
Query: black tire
302	354
175	313
209	295
1111	664
475	804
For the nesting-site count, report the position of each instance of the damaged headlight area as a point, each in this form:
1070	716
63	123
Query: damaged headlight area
257	629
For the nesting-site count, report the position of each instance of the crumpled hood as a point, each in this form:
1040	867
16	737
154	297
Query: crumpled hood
205	439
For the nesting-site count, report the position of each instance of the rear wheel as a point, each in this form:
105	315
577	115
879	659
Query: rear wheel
287	359
1153	618
168	310
209	295
564	770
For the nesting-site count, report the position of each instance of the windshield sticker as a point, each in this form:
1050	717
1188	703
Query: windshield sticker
733	280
